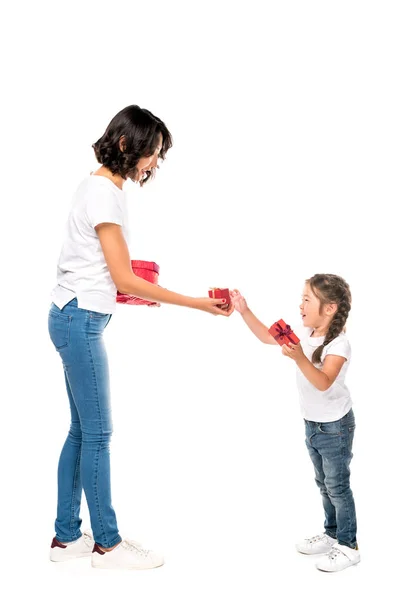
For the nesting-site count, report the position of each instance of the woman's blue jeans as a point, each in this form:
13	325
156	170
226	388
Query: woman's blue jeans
77	335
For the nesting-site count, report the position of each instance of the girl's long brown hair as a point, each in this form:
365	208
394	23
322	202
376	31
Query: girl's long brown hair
331	289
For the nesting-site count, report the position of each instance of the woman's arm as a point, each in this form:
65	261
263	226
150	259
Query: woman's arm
116	254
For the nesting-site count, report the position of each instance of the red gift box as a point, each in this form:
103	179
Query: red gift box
146	270
282	333
221	293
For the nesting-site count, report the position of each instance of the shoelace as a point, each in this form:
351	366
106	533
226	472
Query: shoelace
133	547
316	538
88	539
334	553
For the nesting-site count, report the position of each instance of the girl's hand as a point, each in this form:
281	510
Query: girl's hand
293	351
238	301
210	305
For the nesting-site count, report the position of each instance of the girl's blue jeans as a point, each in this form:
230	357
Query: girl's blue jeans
330	449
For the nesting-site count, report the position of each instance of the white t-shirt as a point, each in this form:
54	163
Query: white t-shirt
335	402
82	271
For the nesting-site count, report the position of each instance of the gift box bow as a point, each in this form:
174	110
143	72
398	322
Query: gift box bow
282	332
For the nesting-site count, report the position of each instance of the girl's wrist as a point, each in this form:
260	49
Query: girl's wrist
301	359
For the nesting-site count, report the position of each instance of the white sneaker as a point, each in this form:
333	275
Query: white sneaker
127	555
79	549
319	544
340	557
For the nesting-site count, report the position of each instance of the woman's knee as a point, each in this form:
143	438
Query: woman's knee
75	432
97	435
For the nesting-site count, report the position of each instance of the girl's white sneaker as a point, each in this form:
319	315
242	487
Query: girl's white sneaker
127	555
79	549
319	544
340	557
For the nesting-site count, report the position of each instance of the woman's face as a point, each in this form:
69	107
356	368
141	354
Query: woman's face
147	163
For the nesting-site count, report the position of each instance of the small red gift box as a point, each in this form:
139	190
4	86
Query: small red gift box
221	293
283	333
146	270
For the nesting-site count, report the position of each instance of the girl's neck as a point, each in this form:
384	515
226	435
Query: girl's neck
319	331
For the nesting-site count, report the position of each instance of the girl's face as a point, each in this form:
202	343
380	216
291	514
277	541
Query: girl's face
147	163
314	314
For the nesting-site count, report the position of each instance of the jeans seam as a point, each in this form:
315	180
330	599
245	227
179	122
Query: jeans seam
345	495
77	467
96	469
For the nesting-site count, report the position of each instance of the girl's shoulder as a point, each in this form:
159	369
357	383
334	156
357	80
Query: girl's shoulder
340	345
340	339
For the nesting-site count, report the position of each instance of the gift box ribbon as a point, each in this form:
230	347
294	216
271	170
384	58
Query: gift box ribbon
284	332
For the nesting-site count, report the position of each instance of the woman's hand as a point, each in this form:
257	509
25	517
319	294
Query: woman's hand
238	301
293	351
210	305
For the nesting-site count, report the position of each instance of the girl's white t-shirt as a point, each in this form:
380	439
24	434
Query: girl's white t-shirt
82	271
335	402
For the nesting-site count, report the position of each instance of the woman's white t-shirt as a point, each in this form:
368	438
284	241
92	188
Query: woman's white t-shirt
335	402
82	271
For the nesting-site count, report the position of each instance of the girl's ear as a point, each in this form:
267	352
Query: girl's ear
330	309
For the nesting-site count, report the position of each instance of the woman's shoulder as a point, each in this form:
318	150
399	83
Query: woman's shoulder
95	187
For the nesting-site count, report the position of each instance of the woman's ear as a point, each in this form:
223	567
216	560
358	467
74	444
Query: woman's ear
122	143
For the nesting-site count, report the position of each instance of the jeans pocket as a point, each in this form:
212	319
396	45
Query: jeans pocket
332	428
59	327
98	315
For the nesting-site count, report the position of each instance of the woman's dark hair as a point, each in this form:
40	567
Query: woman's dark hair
331	289
140	131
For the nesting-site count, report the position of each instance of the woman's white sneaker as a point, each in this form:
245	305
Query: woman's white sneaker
340	557
319	544
127	555
79	549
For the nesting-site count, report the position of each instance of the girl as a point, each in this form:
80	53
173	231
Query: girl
322	359
93	264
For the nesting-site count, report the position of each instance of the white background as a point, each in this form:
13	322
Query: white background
285	118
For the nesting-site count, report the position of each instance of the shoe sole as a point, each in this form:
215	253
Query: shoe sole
127	568
352	564
64	559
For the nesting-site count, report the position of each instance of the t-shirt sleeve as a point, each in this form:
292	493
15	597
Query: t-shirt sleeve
102	207
339	347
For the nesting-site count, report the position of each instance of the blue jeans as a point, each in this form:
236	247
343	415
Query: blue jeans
330	449
77	335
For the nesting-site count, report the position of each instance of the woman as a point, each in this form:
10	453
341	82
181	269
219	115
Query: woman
94	264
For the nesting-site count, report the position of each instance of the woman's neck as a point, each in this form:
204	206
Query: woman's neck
116	179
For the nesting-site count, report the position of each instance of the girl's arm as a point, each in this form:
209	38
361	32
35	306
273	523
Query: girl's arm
255	325
321	379
116	254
